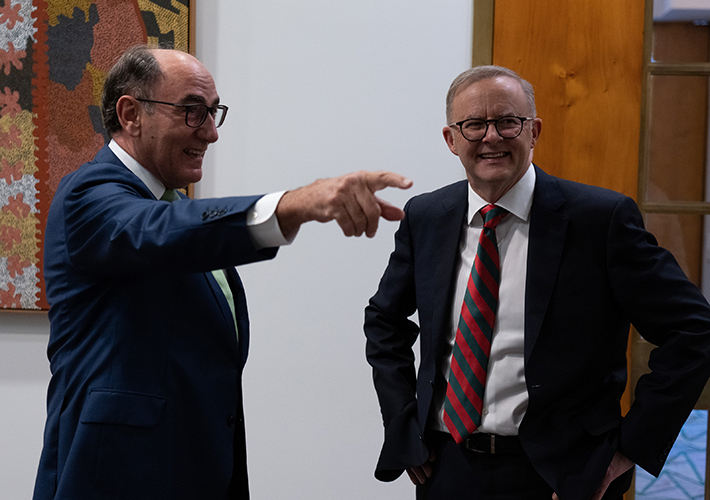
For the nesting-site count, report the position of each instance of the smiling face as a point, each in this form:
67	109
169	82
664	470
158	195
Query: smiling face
160	140
493	164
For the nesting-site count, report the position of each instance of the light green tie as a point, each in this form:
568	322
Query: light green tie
170	195
219	274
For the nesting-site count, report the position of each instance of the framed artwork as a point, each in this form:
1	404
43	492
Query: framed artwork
54	56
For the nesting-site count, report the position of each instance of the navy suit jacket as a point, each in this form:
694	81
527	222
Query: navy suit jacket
592	269
145	399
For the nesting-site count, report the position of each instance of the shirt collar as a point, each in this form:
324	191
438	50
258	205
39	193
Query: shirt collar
154	185
517	201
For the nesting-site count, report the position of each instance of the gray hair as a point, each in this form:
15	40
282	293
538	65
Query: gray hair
479	73
135	74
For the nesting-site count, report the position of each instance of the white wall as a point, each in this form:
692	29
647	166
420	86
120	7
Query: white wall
24	375
316	88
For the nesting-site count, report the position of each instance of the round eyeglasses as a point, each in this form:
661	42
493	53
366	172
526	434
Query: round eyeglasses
196	114
475	129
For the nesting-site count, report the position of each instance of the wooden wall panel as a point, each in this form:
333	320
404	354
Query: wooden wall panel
679	131
585	60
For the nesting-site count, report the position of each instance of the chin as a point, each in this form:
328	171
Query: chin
193	177
498	173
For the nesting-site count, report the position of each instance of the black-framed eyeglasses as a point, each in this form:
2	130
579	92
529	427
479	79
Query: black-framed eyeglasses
475	129
196	114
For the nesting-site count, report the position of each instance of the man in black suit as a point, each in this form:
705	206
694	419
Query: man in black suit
576	267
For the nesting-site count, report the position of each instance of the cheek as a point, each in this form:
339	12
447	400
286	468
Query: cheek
457	147
469	150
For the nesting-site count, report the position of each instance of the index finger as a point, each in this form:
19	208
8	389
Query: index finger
381	179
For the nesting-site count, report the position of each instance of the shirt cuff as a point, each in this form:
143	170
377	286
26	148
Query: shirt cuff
263	225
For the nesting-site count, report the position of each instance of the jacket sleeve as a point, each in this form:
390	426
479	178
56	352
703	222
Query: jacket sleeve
670	312
111	227
390	336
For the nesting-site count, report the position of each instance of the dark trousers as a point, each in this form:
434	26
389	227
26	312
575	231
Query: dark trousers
465	475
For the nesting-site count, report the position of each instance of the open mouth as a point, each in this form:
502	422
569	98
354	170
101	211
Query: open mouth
195	153
493	156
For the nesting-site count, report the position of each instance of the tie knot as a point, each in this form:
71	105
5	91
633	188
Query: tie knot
492	215
170	195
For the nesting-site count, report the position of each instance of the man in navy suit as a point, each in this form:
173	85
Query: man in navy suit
149	329
576	268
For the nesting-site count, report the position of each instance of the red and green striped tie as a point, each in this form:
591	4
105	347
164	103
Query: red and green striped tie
469	361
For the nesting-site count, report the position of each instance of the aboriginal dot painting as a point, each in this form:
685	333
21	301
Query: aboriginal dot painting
54	56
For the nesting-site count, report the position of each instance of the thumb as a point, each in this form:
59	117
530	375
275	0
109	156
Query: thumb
389	211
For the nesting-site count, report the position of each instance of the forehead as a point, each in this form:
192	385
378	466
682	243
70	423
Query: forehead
490	98
185	78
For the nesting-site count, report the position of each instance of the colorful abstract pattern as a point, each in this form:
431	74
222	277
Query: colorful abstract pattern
683	477
54	56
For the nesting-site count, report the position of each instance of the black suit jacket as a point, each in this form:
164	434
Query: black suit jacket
592	269
145	399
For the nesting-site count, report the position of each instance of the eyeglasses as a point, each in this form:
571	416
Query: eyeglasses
196	114
508	127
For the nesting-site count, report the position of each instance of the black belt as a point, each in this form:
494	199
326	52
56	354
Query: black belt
493	444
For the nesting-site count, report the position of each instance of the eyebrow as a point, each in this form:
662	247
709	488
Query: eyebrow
484	118
197	99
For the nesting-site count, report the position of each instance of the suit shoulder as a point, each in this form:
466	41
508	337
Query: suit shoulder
584	205
589	191
443	195
578	194
99	171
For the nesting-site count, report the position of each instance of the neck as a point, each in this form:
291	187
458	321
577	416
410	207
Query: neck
489	194
125	144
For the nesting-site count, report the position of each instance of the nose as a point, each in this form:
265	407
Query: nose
491	134
208	130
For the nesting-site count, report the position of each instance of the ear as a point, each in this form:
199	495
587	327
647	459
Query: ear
536	129
129	115
449	138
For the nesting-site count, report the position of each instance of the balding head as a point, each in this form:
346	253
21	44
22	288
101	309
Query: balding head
134	74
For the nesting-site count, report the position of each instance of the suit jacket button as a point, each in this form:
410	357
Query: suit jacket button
205	215
231	421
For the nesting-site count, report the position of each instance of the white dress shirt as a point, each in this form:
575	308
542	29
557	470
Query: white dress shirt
505	399
262	223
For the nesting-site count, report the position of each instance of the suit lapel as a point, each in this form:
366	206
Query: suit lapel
447	235
222	305
548	229
240	308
